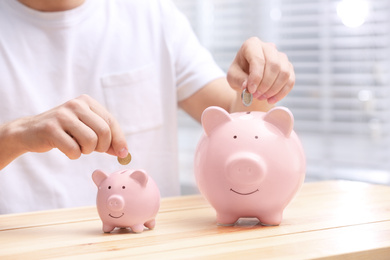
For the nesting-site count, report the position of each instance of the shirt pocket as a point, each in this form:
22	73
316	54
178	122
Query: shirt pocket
134	99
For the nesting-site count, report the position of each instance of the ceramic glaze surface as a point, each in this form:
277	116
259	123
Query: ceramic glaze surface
126	198
249	164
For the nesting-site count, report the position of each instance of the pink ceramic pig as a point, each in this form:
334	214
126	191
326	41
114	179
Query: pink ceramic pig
126	198
249	164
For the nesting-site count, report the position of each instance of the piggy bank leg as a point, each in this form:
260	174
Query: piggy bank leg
271	219
138	228
150	224
107	228
226	219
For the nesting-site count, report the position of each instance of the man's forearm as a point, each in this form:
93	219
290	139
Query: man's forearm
10	147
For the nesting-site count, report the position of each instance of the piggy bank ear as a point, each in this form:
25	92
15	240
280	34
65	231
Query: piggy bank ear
282	118
140	176
213	117
98	176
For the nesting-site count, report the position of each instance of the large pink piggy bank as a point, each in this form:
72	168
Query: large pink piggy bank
126	198
249	164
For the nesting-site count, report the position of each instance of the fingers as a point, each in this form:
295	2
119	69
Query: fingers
81	126
237	75
277	92
263	70
265	74
257	69
87	128
110	136
66	144
281	79
278	75
271	71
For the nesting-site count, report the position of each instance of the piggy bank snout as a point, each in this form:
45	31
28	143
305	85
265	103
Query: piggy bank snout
115	203
245	169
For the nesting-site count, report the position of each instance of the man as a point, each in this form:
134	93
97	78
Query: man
119	68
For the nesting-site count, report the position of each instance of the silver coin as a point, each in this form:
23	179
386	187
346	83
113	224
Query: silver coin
246	98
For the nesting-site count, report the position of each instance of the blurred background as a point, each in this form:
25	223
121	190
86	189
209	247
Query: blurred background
341	100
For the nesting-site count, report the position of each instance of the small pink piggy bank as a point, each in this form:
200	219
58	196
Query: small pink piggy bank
126	198
249	164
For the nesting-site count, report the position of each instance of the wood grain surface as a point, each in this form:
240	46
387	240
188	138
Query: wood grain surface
327	220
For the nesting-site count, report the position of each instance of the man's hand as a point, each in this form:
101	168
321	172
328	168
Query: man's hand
263	70
79	126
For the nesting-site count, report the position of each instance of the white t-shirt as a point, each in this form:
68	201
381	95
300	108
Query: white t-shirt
137	58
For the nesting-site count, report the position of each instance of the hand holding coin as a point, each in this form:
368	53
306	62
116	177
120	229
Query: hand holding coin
126	160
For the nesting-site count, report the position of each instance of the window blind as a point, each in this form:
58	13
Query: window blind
341	100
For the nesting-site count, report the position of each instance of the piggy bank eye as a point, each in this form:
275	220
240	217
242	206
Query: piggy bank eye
256	137
109	187
123	187
235	137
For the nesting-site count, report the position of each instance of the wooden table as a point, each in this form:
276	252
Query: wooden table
335	219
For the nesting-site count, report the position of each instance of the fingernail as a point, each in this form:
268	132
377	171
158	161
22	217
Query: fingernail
244	84
257	94
272	100
252	88
123	153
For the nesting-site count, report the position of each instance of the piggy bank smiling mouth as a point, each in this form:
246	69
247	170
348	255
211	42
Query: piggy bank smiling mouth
115	216
249	193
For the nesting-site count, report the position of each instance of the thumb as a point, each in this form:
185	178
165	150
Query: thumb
236	77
